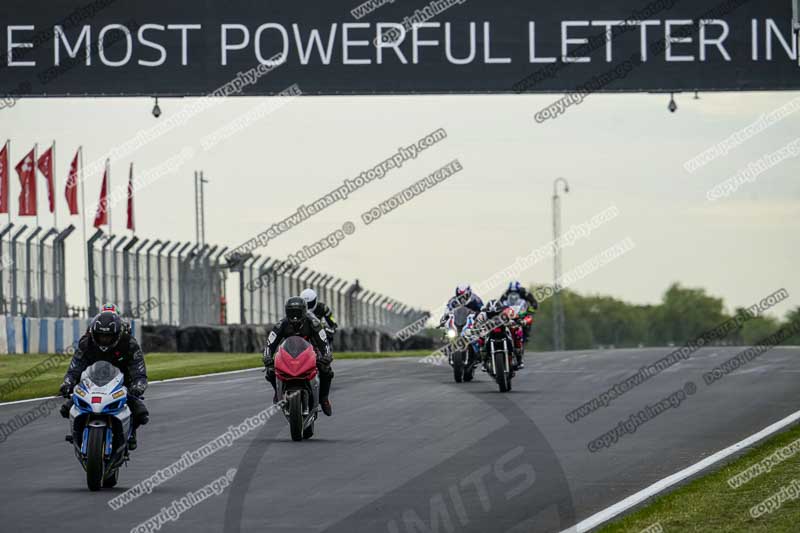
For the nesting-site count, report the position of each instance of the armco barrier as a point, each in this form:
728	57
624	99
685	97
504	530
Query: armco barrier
241	338
54	335
19	334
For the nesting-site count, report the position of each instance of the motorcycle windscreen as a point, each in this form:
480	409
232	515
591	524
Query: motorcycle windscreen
102	373
296	359
295	346
460	316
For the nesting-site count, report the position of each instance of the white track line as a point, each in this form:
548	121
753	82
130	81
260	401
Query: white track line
659	486
149	383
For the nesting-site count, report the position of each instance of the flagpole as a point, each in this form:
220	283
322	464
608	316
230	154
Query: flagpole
52	189
35	177
83	224
8	205
108	194
132	203
8	189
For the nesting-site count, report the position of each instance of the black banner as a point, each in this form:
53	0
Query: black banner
246	47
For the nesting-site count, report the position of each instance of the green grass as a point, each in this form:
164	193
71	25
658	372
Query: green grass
159	366
709	504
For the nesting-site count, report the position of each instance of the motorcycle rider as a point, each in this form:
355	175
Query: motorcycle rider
515	287
463	297
321	311
489	313
126	326
107	339
525	294
300	322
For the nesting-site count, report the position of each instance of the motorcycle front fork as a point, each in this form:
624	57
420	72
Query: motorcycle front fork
483	357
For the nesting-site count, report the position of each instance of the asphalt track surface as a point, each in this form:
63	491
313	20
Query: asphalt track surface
407	449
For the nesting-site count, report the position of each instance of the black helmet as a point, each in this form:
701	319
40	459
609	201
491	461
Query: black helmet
106	329
492	308
296	310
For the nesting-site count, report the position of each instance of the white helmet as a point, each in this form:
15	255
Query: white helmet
310	297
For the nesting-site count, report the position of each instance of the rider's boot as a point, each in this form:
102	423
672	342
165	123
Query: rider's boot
270	377
325	390
132	444
64	410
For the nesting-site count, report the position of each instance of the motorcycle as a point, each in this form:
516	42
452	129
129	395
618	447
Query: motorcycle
297	385
499	348
100	421
464	361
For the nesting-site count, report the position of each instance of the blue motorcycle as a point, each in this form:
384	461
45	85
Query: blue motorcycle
100	420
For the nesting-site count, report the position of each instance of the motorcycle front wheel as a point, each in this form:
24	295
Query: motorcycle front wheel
296	416
94	457
501	376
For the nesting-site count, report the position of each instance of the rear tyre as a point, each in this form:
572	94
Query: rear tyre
296	416
309	431
469	373
111	480
94	457
458	367
472	363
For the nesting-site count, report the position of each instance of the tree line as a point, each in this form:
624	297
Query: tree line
684	313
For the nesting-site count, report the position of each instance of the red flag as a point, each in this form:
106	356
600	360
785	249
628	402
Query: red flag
131	226
71	192
46	167
26	169
4	179
101	217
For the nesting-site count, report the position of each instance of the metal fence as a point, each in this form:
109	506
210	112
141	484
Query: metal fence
33	271
159	282
266	283
169	282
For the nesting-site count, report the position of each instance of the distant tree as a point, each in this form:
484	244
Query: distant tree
757	329
683	314
686	313
793	319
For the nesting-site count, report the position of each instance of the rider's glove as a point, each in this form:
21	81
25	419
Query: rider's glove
267	359
64	409
66	388
138	388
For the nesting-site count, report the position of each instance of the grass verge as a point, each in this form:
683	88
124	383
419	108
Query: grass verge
710	504
159	366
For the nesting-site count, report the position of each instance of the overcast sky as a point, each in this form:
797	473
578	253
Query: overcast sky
626	151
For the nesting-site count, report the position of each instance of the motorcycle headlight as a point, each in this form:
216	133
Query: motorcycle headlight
451	333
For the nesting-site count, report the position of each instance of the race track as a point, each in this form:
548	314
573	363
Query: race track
407	449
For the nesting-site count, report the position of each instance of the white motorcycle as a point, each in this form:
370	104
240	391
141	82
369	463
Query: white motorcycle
100	421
